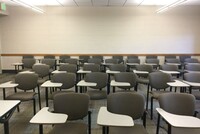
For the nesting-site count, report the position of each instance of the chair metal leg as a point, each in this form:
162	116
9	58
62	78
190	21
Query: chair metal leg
136	87
151	108
113	89
6	127
18	110
40	129
147	98
103	130
169	129
39	99
89	122
34	107
76	89
158	124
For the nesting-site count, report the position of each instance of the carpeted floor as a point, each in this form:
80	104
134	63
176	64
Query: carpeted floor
19	122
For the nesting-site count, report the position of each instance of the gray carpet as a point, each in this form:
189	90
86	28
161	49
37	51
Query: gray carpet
19	122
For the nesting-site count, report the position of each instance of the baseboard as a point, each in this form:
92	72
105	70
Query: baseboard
9	71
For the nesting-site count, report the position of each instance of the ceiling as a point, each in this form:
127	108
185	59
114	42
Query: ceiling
89	3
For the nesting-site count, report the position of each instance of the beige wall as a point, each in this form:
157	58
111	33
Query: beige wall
125	30
0	47
101	30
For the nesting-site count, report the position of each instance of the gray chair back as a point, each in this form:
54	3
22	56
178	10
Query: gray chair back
126	103
118	67
98	77
167	67
71	61
126	77
193	67
84	58
41	69
192	77
154	61
75	105
71	68
95	61
112	61
91	67
183	57
27	56
98	57
148	68
173	61
133	61
28	62
132	57
68	80
191	60
49	57
50	62
158	80
120	58
63	57
143	67
170	57
26	81
178	103
151	57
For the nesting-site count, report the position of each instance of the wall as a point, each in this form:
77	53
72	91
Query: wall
100	30
0	48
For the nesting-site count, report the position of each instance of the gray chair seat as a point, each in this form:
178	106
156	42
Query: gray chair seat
23	96
70	128
196	94
126	90
176	130
155	94
97	95
143	80
136	129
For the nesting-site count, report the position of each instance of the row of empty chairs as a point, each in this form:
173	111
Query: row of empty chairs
155	80
119	115
131	61
143	78
84	58
158	80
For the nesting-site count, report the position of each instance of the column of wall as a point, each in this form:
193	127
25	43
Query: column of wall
0	50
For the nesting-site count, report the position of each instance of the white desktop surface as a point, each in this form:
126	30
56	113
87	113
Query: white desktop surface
194	84
106	118
132	64
115	83
153	64
178	83
170	72
178	64
46	117
140	72
83	83
17	64
57	71
112	72
179	120
192	71
51	84
7	105
28	72
107	64
81	71
8	84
